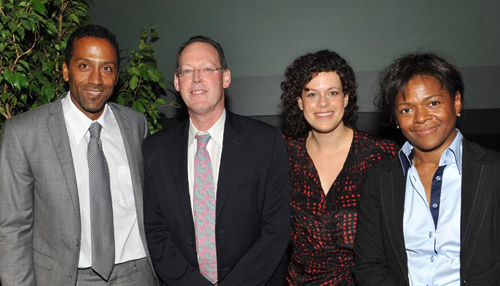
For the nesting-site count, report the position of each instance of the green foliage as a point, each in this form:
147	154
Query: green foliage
33	36
141	82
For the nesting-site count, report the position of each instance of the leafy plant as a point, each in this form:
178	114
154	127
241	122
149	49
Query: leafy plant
33	36
141	82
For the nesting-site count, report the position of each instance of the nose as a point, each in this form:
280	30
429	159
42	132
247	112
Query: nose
95	77
422	115
323	101
196	75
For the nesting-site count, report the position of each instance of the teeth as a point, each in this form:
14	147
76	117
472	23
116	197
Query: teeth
197	92
93	92
324	114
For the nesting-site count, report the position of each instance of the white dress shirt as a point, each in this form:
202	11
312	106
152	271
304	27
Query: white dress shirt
128	244
432	229
214	148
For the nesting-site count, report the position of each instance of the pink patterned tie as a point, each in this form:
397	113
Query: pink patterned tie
204	210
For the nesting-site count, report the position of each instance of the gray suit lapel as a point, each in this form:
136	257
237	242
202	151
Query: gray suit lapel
135	166
56	125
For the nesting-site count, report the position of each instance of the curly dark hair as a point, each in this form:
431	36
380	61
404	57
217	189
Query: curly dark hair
394	78
300	72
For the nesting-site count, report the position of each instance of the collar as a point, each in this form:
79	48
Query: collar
216	131
452	154
79	123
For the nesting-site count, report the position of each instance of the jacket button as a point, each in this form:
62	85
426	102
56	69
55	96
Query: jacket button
191	242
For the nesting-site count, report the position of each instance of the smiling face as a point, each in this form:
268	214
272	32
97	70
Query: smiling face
202	94
92	74
427	114
323	102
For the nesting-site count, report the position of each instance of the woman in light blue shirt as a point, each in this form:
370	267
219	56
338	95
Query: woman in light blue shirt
430	216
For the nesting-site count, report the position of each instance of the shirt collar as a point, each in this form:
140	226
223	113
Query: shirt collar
452	154
79	123
216	131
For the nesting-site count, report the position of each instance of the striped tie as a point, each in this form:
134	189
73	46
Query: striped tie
204	210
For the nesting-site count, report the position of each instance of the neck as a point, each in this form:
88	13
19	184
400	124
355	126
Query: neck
203	122
332	141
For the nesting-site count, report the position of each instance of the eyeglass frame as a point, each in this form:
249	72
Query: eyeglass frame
203	71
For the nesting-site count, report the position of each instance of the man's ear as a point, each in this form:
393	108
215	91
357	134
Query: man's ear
226	78
65	72
176	82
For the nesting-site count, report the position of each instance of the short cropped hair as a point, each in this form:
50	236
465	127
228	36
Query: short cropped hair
203	39
394	78
300	73
92	31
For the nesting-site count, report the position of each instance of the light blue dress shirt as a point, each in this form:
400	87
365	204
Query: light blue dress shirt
432	230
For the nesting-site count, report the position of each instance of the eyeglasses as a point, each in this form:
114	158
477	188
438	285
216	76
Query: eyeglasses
203	71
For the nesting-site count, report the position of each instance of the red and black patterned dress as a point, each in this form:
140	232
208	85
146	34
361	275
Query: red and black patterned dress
324	227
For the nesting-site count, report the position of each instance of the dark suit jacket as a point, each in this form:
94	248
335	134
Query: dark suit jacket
252	215
380	255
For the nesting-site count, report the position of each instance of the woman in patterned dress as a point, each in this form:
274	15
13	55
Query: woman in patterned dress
328	161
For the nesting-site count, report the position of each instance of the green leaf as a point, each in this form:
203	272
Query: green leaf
133	82
153	75
24	97
5	95
49	92
2	109
9	76
39	7
74	18
20	32
26	25
134	71
24	63
12	26
20	81
137	106
6	19
2	47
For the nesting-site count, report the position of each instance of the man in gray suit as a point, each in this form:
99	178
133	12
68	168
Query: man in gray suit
65	219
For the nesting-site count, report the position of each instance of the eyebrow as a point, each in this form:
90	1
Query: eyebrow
425	99
90	60
309	89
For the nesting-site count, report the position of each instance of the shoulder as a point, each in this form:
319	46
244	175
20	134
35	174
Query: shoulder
167	136
129	113
33	120
368	142
249	124
481	154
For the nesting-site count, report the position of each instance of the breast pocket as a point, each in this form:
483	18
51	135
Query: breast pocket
125	193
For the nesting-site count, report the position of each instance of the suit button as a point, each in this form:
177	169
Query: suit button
77	242
191	242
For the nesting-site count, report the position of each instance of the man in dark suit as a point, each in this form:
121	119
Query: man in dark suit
71	180
216	212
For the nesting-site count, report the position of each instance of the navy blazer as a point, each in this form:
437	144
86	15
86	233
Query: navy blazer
380	254
252	215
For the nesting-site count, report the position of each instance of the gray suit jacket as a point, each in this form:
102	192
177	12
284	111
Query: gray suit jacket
39	208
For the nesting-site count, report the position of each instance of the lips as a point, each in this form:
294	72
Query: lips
324	114
196	92
425	131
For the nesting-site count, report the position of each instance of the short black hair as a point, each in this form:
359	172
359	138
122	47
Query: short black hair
394	78
92	31
300	73
203	39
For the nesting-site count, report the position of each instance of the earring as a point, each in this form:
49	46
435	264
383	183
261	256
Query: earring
458	115
397	126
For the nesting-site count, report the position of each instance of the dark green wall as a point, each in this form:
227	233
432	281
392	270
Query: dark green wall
261	38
